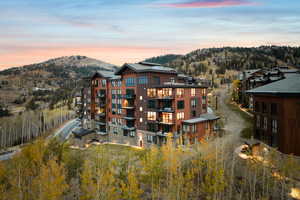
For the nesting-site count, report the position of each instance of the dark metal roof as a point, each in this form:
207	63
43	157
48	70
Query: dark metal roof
146	67
288	86
80	132
202	118
106	74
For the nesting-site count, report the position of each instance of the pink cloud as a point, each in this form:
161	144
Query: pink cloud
111	54
209	4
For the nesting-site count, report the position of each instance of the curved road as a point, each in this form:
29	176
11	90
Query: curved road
63	133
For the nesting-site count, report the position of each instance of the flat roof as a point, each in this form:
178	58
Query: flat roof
202	118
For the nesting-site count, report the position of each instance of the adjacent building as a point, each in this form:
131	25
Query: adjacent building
144	103
277	114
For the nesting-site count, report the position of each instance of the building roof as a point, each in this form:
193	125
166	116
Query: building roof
105	74
146	67
179	85
288	86
80	132
202	118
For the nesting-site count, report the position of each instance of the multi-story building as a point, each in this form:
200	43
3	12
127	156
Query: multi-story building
277	114
254	78
143	103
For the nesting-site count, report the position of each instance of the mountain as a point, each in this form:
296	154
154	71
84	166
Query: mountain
203	61
46	83
63	67
163	59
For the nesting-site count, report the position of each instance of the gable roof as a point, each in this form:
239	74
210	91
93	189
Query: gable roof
105	74
289	87
146	67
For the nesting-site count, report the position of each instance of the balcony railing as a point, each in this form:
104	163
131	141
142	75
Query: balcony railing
101	95
165	121
165	109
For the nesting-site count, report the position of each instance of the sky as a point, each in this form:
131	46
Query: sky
119	31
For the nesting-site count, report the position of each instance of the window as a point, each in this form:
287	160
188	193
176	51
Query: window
103	82
264	107
152	127
265	123
274	109
115	130
141	97
193	103
167	117
180	92
125	133
129	82
257	107
151	92
151	103
186	128
193	128
119	83
180	104
141	109
193	92
151	115
156	80
203	106
149	138
180	115
164	92
143	80
113	83
193	113
131	133
141	120
203	92
274	126
206	125
257	121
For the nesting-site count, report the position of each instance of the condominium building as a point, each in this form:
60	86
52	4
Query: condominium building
144	103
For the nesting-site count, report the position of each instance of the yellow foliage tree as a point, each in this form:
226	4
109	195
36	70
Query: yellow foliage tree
130	188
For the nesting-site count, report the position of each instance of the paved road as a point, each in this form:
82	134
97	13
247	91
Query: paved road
63	133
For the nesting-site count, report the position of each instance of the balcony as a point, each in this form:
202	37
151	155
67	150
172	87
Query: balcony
165	121
128	104
162	134
128	128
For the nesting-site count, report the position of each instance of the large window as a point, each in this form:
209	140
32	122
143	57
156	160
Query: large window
151	92
151	115
167	117
130	82
164	92
143	80
180	115
194	128
180	104
193	92
149	138
152	127
180	92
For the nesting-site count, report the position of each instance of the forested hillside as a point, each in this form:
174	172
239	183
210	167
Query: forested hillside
220	59
163	59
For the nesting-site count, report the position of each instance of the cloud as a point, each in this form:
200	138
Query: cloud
210	4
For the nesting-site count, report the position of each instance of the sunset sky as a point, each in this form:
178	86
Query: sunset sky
118	31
